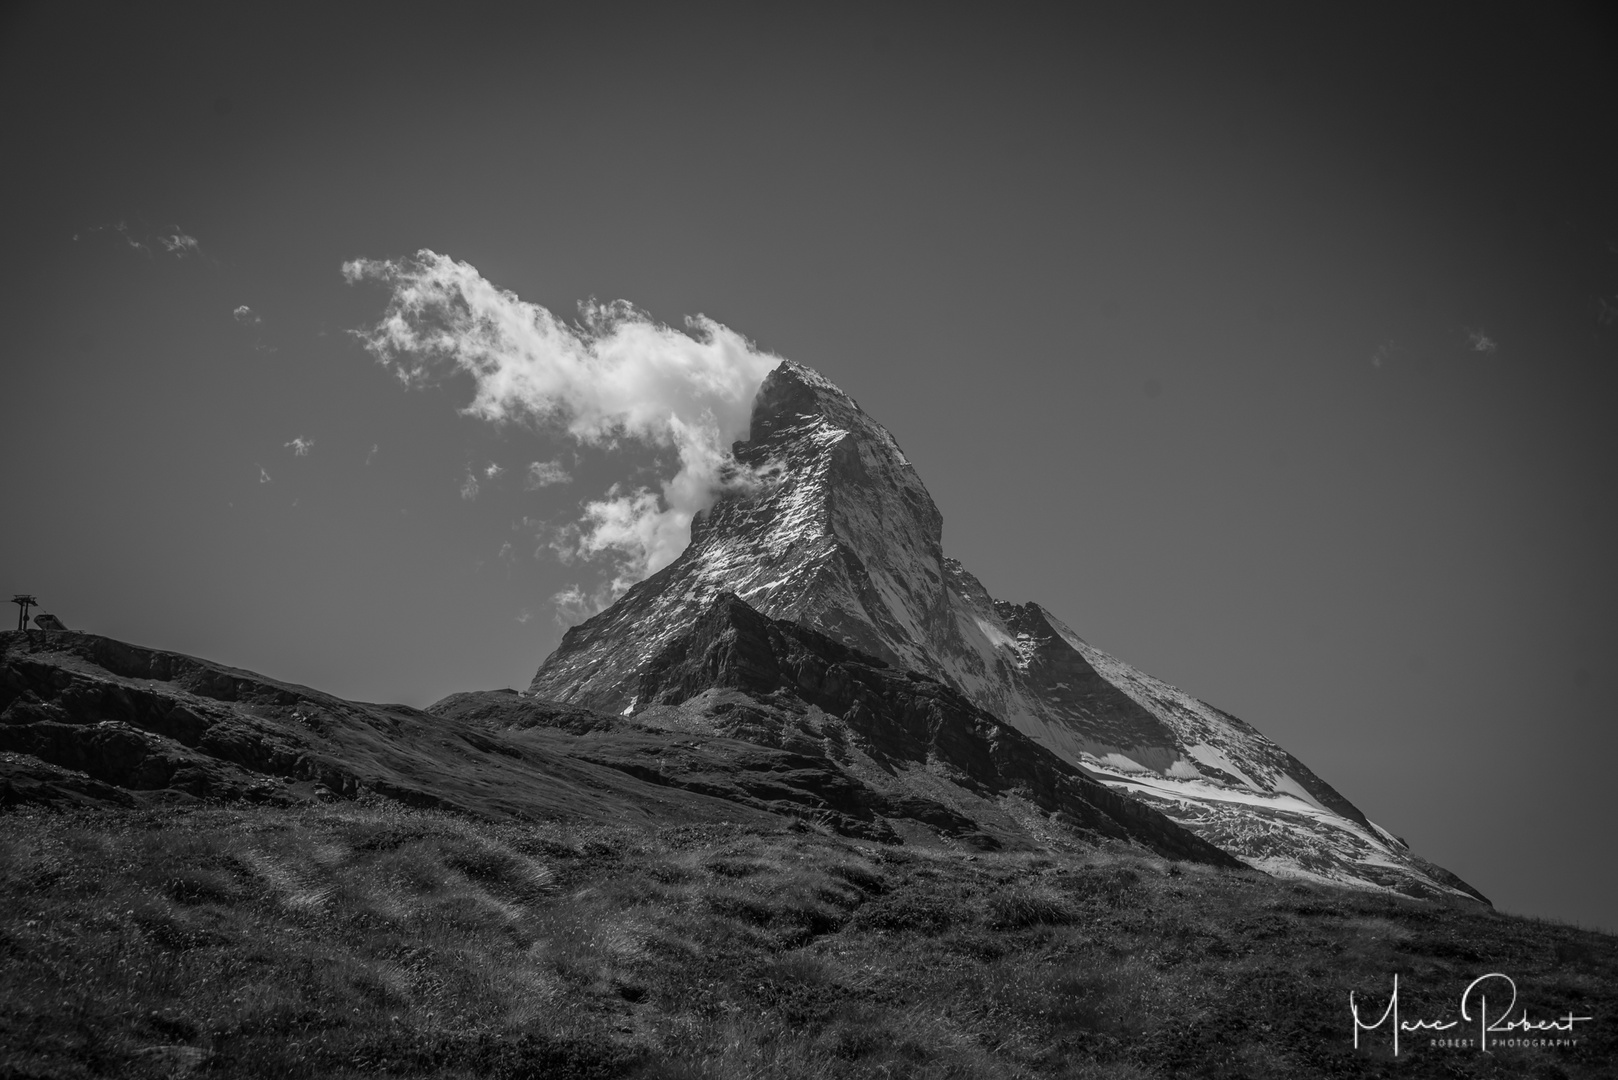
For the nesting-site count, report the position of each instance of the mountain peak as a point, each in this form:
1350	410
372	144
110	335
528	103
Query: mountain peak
841	537
794	396
795	384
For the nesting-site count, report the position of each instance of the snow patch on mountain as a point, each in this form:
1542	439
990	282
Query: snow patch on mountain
1215	758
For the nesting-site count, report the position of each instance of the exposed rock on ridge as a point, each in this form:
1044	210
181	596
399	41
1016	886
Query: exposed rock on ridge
847	541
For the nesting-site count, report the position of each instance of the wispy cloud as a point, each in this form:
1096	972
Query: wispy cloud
370	454
263	475
616	374
252	320
174	241
180	244
1480	341
492	470
300	446
119	229
1384	354
574	605
545	473
469	485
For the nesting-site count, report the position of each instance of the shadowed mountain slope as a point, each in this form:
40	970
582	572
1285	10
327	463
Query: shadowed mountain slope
910	748
86	720
839	535
90	720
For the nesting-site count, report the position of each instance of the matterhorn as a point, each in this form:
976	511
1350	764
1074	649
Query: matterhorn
838	535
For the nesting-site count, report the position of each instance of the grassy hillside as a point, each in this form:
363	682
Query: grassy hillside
366	939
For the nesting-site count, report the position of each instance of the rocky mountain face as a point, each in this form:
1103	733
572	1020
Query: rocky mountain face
839	536
867	749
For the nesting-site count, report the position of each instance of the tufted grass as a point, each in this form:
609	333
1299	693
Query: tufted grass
368	940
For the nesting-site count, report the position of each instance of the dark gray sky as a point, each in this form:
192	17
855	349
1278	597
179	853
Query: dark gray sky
1274	352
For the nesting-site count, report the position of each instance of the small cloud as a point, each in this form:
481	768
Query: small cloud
180	244
1384	354
372	453
176	241
1480	342
120	229
560	540
123	230
524	617
573	606
300	446
469	486
545	473
505	551
252	320
263	475
493	470
1606	310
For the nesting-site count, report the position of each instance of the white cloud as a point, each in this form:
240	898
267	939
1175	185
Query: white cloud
492	470
263	475
179	244
300	446
545	473
574	605
372	453
615	375
1481	342
469	486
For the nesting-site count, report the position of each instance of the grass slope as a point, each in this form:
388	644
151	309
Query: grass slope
367	939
